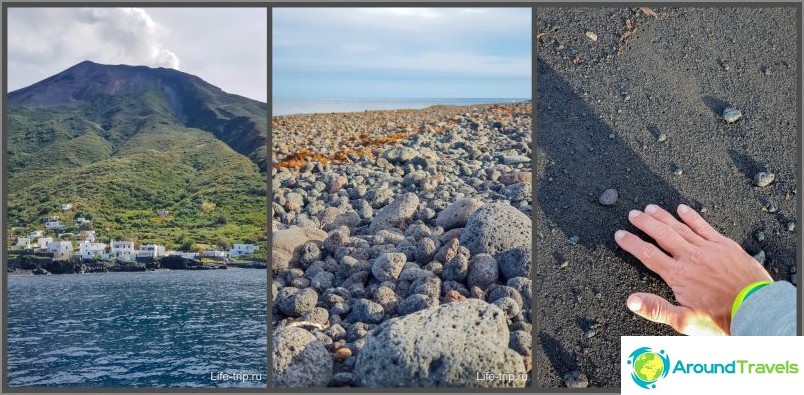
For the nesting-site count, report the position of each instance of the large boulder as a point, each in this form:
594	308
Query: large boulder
299	359
442	347
496	228
286	245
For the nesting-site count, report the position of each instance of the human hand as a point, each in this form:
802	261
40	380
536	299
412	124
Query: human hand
705	270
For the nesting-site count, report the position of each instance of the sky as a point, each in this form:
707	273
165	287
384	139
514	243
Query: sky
227	47
339	53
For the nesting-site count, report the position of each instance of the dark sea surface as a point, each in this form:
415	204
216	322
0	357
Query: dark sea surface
314	106
147	329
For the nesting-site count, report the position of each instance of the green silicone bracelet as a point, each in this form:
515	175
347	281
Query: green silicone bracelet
745	293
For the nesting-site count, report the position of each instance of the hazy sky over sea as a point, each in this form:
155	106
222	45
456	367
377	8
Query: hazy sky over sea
227	47
401	52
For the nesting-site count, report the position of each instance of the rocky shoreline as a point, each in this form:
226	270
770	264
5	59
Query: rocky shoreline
36	265
401	252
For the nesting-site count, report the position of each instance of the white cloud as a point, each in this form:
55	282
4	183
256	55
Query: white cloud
45	41
226	47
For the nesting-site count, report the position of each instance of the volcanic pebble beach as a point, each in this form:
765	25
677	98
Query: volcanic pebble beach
401	253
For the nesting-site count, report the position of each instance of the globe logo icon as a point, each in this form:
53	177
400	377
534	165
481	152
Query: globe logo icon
648	366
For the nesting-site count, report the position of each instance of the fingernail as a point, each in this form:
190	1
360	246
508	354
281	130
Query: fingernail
651	208
634	303
633	213
618	235
683	208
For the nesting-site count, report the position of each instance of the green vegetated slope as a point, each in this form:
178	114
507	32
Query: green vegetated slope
122	142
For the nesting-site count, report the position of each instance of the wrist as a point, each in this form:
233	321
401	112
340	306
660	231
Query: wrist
745	293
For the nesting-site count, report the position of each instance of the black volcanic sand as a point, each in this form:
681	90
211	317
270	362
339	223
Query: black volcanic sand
600	108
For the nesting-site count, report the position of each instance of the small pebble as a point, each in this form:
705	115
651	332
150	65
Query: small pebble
564	265
760	257
574	239
763	179
760	235
608	197
662	138
731	115
677	171
575	379
592	36
791	226
342	354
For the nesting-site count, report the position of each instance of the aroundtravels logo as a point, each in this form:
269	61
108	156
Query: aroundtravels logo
673	365
648	366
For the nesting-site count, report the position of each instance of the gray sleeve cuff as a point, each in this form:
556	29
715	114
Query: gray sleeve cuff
770	311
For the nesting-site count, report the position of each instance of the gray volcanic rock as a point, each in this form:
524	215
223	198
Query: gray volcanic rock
391	216
299	359
763	179
399	155
483	271
515	262
495	228
286	243
364	310
462	338
458	213
388	266
294	302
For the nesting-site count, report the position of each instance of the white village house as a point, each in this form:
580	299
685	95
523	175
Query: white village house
123	250
150	251
90	250
81	221
213	253
42	242
87	235
36	234
238	250
61	250
23	243
66	207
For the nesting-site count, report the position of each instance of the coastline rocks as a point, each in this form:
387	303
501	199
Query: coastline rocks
517	192
299	359
286	243
398	155
515	262
462	338
495	228
364	310
514	159
388	266
457	214
386	224
483	271
517	177
391	216
294	302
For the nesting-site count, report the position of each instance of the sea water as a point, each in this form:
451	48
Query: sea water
146	329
